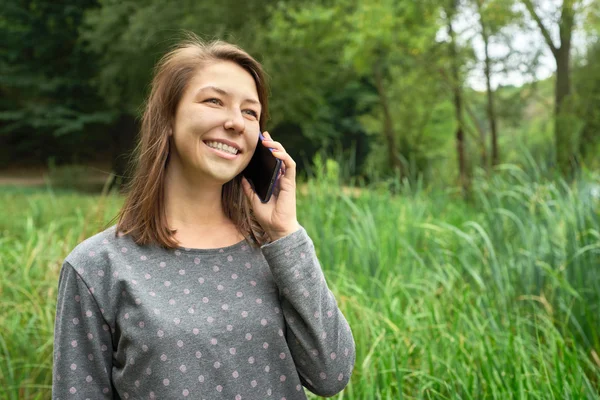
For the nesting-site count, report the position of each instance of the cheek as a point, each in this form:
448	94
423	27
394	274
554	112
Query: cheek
187	145
194	120
246	158
250	152
182	140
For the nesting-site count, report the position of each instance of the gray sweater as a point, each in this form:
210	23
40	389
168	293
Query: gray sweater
143	322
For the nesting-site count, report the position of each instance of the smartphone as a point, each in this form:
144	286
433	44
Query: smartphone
263	170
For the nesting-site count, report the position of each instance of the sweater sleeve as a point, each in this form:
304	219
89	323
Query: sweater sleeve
82	342
317	333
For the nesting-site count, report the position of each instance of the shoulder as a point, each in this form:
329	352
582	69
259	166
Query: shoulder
95	247
96	264
107	250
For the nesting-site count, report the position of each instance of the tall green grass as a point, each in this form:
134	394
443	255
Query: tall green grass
496	298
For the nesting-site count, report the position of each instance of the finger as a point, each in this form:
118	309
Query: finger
273	145
289	164
267	135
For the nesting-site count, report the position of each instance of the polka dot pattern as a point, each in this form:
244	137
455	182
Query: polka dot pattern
198	323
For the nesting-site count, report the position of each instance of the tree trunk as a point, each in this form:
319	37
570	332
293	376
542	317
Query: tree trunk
590	134
491	111
388	125
563	129
460	145
483	153
566	157
458	103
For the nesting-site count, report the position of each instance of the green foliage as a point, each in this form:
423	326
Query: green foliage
313	90
337	69
396	40
362	38
44	70
587	103
129	37
302	44
496	299
498	14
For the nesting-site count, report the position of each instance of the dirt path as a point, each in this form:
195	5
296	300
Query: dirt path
37	176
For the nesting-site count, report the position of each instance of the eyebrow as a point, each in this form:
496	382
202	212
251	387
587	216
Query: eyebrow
225	93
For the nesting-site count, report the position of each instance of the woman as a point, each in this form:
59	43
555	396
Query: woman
200	290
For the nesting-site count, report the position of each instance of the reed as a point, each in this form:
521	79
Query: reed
496	298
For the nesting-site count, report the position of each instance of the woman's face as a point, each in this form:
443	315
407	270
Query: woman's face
216	124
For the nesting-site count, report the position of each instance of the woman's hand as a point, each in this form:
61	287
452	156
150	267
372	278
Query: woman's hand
278	215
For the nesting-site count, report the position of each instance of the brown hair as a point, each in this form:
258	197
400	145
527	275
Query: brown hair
143	213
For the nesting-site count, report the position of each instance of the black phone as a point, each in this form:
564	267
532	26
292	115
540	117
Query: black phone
263	171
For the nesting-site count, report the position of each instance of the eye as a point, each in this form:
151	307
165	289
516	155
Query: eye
253	113
213	100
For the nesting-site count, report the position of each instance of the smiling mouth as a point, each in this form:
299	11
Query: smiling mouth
222	147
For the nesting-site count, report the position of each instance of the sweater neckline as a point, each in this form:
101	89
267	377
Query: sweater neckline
192	251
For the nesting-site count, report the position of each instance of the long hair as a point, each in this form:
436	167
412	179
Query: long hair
143	214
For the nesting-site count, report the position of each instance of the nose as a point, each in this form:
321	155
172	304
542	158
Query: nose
236	122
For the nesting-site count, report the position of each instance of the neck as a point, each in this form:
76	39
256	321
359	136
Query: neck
192	204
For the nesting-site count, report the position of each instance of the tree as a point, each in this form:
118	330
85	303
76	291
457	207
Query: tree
45	77
450	11
493	16
487	70
587	82
563	135
386	45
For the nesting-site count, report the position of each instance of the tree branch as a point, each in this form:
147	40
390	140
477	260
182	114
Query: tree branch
540	24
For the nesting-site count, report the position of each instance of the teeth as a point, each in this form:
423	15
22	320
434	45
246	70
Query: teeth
222	147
